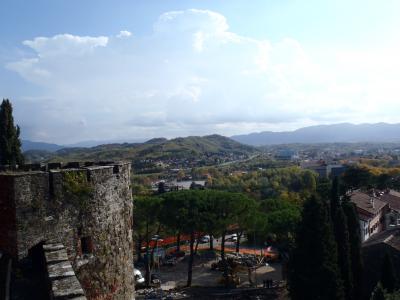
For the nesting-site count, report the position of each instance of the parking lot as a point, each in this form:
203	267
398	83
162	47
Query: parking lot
203	275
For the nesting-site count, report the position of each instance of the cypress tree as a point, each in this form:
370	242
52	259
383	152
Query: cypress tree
344	260
313	265
354	230
10	144
388	275
341	233
335	198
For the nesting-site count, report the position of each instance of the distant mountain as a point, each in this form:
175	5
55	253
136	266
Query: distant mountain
344	132
192	147
29	145
94	143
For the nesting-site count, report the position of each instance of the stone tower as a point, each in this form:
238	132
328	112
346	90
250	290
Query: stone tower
85	207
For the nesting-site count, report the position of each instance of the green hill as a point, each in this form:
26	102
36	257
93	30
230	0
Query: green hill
209	148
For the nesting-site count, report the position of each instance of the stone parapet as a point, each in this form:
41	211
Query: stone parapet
63	283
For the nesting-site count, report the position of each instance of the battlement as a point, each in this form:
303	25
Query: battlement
46	167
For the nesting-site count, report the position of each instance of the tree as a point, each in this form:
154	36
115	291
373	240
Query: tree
313	265
388	275
354	230
334	197
344	260
341	233
324	188
281	220
10	144
356	177
245	210
145	218
189	206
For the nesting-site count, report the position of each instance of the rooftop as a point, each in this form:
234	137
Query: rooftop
366	203
393	198
389	237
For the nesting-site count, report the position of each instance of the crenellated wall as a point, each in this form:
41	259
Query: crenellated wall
86	207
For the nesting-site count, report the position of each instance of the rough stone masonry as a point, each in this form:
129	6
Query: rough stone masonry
86	207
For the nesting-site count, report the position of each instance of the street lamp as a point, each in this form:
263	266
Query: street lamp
156	238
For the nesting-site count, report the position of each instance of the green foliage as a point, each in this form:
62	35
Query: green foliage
314	272
77	188
292	183
342	239
353	226
146	215
10	144
341	232
281	218
206	211
356	177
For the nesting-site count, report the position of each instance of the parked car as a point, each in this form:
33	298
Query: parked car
138	277
205	239
232	238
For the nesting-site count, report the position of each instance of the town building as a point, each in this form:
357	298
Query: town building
323	169
286	154
392	198
371	211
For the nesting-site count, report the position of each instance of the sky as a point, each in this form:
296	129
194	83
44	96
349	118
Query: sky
125	70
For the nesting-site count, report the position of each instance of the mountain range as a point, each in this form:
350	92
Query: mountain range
336	133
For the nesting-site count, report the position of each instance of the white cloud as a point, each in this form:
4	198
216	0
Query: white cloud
65	44
192	75
124	34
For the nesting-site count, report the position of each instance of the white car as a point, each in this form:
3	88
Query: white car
232	238
139	279
205	239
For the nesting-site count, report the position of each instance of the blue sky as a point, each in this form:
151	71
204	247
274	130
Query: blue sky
104	70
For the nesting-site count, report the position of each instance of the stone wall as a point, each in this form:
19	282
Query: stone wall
8	232
87	209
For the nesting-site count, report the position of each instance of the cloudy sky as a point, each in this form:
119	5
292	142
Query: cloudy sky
121	70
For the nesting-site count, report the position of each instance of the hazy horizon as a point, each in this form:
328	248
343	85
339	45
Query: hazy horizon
98	71
90	143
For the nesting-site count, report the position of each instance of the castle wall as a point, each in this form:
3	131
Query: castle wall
8	232
95	225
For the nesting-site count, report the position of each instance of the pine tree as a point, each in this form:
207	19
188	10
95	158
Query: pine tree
10	144
313	265
355	246
388	275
